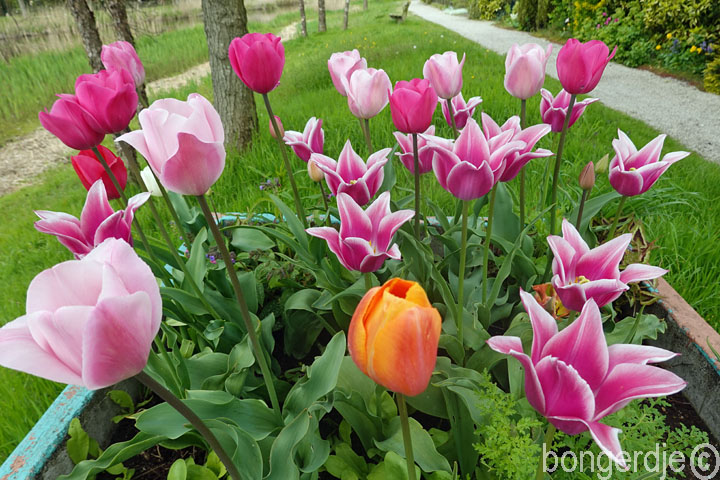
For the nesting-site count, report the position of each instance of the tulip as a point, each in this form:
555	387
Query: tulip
586	180
581	274
89	322
109	96
367	92
258	59
72	124
182	142
546	296
280	127
554	110
393	336
412	105
580	65
425	152
89	169
461	111
342	65
310	141
633	172
525	69
314	172
444	73
351	175
121	55
151	184
574	379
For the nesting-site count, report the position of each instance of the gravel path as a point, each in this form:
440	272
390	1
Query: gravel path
671	106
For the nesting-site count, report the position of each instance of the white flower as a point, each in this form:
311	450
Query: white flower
150	182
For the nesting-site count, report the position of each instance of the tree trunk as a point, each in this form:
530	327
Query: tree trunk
118	15
347	14
4	10
321	16
365	4
303	20
85	21
225	20
23	7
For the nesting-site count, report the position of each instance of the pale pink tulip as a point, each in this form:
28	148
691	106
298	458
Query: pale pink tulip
525	69
445	74
342	65
554	110
461	111
121	55
367	92
425	152
311	140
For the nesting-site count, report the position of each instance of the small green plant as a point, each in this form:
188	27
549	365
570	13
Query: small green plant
80	447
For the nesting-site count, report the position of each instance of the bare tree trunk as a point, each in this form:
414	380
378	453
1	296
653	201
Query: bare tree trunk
118	15
322	27
225	20
303	20
347	14
23	8
85	21
365	4
4	10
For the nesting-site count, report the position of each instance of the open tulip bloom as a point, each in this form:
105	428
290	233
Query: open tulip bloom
461	111
554	109
310	141
425	152
342	65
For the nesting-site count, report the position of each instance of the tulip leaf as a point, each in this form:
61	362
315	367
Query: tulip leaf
282	453
635	330
592	208
249	239
505	223
240	446
188	301
426	455
292	221
393	467
197	264
389	177
302	323
178	470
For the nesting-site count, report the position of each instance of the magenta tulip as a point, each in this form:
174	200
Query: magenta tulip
89	322
425	152
72	124
412	105
258	59
554	110
525	69
575	380
367	92
311	140
121	55
351	175
581	274
182	142
461	111
342	65
365	237
109	96
90	170
444	73
633	172
580	65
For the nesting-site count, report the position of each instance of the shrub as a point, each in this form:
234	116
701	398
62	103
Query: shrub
527	13
486	9
712	75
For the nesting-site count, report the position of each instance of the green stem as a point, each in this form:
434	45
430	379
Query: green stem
368	280
488	235
365	126
581	208
172	368
173	212
611	233
558	162
547	443
407	440
461	269
324	198
523	113
416	165
111	175
452	118
543	191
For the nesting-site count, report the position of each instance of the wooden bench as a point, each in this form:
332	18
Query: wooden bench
401	17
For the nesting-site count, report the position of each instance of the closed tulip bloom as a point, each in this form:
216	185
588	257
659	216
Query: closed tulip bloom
151	184
258	59
393	336
581	274
72	124
121	55
280	127
351	175
182	142
575	380
367	92
444	73
109	96
425	152
342	65
89	322
580	65
412	105
314	172
633	172
525	69
554	110
364	241
311	140
89	170
461	111
98	222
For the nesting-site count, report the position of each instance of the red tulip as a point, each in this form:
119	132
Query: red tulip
88	168
258	59
580	65
412	105
110	97
71	123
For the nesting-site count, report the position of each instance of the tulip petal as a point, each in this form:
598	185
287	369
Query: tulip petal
544	325
571	235
513	346
637	272
566	393
65	284
468	182
389	225
637	354
627	183
205	160
603	261
564	258
97	208
330	235
607	439
650	153
354	222
357	334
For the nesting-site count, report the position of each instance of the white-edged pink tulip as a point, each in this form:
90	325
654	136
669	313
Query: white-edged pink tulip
310	140
425	152
553	110
342	65
444	73
525	69
367	92
461	111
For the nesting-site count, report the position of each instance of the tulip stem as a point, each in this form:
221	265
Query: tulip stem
416	165
259	354
523	122
173	212
452	118
621	204
547	443
488	236
111	175
194	420
324	200
581	208
286	160
461	269
365	126
543	190
558	162
407	440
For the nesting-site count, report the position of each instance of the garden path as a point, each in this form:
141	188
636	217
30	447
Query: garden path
674	107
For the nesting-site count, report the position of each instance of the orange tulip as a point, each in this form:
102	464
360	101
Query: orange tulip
393	336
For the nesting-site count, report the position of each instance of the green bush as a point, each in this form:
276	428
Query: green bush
527	13
680	17
712	75
486	9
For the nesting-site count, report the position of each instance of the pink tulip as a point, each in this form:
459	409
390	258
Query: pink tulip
89	322
121	55
109	96
525	69
461	111
311	140
90	170
367	92
474	164
98	222
342	65
182	142
633	172
580	65
581	274
412	105
425	152
72	124
554	110
444	73
575	380
364	240
515	161
351	175
258	59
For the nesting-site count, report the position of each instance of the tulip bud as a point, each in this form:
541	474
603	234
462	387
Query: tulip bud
280	127
150	183
316	175
587	177
602	165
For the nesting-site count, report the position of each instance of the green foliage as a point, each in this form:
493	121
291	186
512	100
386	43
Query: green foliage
712	75
487	9
527	14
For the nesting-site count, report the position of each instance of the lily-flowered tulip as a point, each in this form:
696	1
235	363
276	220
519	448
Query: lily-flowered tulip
580	65
444	73
311	140
474	164
342	65
121	55
351	175
575	380
525	69
258	59
425	152
365	238
71	123
90	170
461	111
633	172
367	92
412	105
98	222
182	142
581	274
393	336
89	322
554	110
109	96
